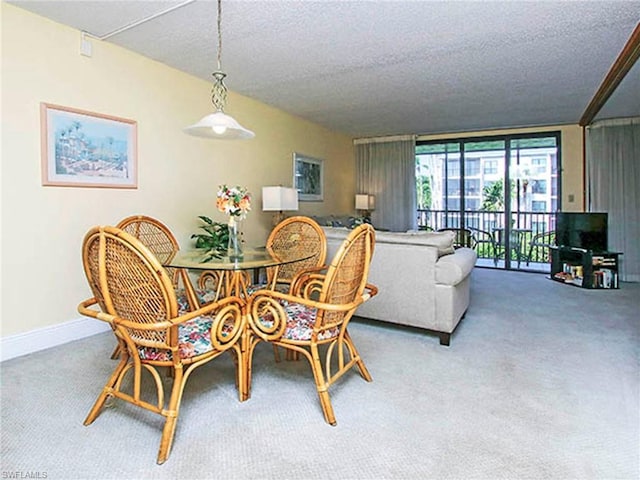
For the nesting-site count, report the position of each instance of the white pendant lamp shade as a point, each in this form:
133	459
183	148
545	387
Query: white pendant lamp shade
219	125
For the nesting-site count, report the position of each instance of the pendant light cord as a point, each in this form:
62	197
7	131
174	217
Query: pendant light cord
219	35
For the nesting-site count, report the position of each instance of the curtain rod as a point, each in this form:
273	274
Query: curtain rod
614	122
395	138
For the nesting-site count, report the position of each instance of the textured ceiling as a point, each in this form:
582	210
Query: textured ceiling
369	68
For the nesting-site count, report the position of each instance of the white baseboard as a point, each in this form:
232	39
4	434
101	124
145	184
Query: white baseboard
24	343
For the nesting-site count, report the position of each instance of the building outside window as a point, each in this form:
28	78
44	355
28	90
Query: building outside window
453	187
538	205
539	186
539	164
490	166
472	186
453	168
472	167
476	193
453	204
472	203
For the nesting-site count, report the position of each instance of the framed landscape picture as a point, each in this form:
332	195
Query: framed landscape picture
86	149
308	177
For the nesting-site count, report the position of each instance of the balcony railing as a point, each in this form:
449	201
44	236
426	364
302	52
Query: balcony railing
489	228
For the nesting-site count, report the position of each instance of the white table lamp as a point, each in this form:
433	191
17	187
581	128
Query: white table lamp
365	203
279	199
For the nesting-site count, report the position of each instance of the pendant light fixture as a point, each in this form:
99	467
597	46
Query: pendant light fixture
219	124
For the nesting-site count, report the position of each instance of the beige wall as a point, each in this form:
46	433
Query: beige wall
43	227
571	155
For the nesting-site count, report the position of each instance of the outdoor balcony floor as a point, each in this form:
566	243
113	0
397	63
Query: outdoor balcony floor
532	267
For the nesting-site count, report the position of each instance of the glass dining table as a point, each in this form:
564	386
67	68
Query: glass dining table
232	272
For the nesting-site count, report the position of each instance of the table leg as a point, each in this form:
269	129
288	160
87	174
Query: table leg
245	341
235	284
274	278
192	297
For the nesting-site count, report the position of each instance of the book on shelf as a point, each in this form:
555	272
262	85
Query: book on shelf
570	274
605	278
602	260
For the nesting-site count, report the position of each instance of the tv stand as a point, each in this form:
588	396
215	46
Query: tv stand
584	268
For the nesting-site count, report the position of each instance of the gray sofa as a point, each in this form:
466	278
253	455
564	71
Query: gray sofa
423	282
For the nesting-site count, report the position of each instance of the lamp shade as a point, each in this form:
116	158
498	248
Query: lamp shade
365	202
279	199
219	125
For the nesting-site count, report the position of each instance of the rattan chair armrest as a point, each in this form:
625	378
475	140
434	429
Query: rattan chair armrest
83	309
229	313
305	285
270	301
163	324
226	310
84	306
307	301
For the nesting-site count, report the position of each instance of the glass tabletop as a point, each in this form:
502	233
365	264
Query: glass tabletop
258	257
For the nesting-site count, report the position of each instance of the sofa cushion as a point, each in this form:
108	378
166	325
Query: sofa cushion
443	241
338	221
452	269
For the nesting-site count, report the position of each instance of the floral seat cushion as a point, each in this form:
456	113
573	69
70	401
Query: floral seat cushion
280	287
194	338
204	297
300	321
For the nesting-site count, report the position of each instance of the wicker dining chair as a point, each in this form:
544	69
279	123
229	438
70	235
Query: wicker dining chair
135	295
296	234
316	313
156	236
293	235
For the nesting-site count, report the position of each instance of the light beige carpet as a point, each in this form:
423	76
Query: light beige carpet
541	381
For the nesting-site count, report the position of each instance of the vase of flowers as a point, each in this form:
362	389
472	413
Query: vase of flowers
235	202
234	247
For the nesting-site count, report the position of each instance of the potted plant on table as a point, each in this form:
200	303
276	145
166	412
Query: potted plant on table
215	237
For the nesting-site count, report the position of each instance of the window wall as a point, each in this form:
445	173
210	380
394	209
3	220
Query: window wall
461	183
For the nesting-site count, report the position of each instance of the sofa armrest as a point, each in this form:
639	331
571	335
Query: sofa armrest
453	269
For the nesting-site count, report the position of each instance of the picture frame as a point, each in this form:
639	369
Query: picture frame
308	177
87	149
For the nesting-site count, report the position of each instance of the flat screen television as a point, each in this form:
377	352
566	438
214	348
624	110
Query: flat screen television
582	230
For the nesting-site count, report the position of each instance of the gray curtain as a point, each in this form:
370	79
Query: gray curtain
386	168
613	186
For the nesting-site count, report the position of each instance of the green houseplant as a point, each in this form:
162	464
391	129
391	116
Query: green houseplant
215	236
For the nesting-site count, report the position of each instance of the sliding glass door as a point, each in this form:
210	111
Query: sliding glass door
461	184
